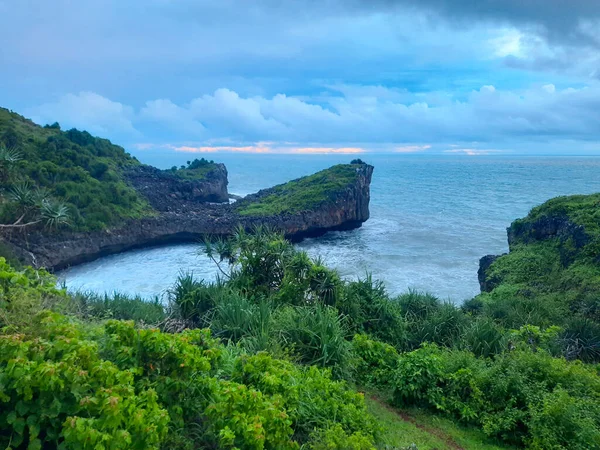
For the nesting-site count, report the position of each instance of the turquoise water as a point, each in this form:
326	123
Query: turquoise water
432	218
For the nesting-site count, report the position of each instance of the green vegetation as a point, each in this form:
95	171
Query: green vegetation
580	209
270	356
82	172
304	193
552	279
198	169
414	428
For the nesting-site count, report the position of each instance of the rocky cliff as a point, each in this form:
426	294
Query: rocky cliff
338	199
569	226
166	191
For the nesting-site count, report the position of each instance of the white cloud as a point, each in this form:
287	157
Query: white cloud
89	111
167	113
367	117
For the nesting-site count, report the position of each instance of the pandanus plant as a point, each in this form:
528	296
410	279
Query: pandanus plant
34	205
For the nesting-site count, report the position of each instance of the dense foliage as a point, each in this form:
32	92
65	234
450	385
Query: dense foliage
551	276
84	172
302	194
265	357
70	383
198	169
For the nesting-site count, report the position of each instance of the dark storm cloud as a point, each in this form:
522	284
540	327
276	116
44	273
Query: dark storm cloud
574	21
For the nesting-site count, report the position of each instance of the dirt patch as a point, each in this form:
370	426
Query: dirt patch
451	443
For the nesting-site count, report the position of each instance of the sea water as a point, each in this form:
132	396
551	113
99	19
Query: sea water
432	218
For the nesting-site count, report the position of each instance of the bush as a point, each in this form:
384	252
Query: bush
312	399
516	397
58	392
316	335
483	337
192	301
25	292
375	362
369	310
335	438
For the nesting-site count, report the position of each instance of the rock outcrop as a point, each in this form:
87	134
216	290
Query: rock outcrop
183	214
548	222
546	227
486	283
165	191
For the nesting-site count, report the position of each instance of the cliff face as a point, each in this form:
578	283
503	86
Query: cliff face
183	215
343	207
566	227
165	191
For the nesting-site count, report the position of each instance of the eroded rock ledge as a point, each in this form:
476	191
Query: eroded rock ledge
184	215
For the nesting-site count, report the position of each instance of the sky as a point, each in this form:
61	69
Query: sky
464	77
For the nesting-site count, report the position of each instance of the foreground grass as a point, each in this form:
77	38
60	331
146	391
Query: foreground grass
401	429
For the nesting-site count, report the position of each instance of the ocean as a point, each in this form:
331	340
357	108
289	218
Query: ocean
432	218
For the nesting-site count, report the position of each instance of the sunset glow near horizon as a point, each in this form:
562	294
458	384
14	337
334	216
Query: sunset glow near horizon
336	77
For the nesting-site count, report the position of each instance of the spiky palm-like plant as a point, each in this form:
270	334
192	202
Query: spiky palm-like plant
35	204
8	158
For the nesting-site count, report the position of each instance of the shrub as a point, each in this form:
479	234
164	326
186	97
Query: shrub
316	335
434	322
563	422
417	304
25	292
57	392
312	399
374	362
483	337
192	300
369	310
515	397
335	438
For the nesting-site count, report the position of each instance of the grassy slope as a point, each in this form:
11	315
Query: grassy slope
304	193
580	209
553	276
426	431
83	171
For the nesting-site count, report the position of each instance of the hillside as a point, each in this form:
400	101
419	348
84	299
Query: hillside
85	172
93	177
551	275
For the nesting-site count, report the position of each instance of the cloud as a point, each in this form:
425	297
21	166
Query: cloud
208	149
167	113
89	111
488	114
411	148
259	147
326	150
342	123
558	20
475	151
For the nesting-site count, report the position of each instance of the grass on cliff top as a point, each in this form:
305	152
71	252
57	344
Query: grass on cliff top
195	170
83	171
580	209
552	281
304	193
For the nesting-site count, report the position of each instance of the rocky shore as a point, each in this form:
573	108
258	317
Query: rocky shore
185	211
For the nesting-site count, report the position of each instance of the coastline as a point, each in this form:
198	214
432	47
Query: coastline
188	221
